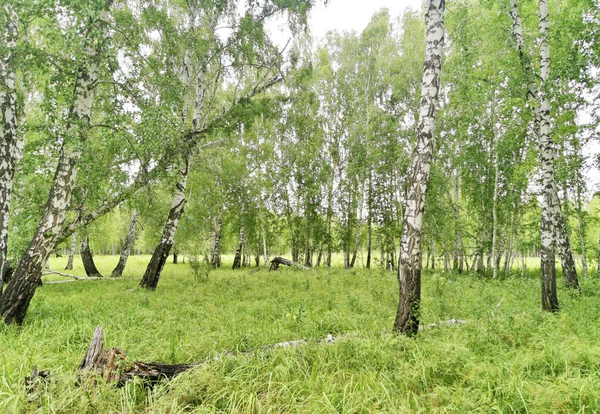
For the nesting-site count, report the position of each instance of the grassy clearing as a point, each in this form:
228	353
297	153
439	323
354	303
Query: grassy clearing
506	359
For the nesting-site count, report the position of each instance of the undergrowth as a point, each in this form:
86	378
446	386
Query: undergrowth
509	357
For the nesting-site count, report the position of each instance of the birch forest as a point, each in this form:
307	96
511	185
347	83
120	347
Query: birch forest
403	217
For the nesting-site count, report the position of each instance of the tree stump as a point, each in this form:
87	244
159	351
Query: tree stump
110	364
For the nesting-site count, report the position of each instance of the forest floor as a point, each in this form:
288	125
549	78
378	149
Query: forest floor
506	358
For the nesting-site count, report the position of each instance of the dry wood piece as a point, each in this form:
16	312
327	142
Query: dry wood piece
35	380
153	371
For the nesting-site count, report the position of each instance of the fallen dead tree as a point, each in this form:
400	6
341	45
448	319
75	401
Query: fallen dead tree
112	365
283	261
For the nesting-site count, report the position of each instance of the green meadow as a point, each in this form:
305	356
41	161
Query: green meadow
509	356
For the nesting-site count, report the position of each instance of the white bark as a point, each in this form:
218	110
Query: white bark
20	291
9	140
409	269
549	300
495	197
542	127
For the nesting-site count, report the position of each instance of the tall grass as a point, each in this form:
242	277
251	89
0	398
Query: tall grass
511	358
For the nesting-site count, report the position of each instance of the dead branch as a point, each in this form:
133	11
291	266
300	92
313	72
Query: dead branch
435	325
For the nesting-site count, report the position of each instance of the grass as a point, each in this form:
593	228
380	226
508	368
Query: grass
513	358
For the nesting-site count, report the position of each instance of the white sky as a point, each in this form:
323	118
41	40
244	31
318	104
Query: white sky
353	14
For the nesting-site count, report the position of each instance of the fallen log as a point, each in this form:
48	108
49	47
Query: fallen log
283	261
111	364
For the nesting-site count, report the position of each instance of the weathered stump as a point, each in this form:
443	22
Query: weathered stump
111	364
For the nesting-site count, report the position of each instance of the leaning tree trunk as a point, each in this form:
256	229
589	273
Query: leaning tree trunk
567	259
9	141
237	260
409	267
21	289
88	259
127	246
72	249
161	252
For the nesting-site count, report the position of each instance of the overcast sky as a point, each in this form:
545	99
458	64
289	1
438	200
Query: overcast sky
353	14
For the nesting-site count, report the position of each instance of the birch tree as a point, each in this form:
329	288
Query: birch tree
9	141
540	103
127	246
409	267
21	289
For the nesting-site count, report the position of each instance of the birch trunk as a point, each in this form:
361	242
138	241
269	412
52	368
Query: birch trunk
409	267
459	243
582	230
127	246
542	127
495	255
370	221
548	205
599	253
161	252
9	141
237	260
72	249
193	76
567	259
307	248
88	259
21	289
215	255
264	239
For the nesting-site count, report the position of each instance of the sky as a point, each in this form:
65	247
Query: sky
353	14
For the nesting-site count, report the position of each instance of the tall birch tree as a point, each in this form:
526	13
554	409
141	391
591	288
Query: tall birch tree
409	268
9	141
540	104
547	152
21	289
